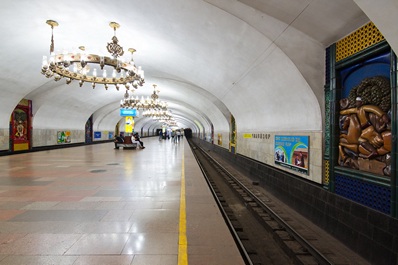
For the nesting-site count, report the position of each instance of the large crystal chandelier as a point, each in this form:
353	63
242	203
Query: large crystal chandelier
169	122
157	114
148	103
92	68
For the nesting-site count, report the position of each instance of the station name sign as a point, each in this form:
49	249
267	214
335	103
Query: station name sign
128	112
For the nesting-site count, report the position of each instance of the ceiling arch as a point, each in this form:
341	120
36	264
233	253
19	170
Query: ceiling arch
261	61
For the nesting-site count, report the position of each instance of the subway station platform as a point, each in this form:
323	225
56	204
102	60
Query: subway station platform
99	205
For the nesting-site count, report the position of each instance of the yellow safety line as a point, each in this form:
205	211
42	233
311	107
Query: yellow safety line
182	240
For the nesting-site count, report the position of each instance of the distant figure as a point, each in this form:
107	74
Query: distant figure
178	135
160	135
118	139
136	139
173	136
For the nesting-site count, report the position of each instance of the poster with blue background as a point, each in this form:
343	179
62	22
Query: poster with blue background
97	135
291	151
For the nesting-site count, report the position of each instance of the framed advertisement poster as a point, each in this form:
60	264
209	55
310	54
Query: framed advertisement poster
291	151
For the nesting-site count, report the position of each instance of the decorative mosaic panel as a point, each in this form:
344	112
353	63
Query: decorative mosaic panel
369	194
357	41
326	173
327	103
327	123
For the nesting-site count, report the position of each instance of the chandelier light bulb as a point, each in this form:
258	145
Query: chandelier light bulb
52	59
95	72
44	63
66	58
102	62
140	72
104	73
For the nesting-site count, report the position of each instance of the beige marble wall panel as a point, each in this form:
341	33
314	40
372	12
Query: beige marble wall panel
4	139
45	137
262	149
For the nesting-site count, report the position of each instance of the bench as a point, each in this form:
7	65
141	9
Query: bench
126	146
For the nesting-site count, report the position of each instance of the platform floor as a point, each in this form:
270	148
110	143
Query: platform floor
97	205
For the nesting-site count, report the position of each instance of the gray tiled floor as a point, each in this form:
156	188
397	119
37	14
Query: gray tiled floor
97	205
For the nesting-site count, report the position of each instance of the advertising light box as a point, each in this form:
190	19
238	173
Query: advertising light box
128	112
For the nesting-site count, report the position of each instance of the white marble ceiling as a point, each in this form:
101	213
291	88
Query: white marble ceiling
261	60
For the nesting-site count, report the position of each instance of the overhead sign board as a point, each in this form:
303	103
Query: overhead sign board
128	112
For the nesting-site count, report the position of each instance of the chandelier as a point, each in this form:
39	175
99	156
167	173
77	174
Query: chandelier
158	114
149	103
169	122
92	68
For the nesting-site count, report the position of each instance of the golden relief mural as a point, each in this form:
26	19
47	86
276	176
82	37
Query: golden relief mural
365	127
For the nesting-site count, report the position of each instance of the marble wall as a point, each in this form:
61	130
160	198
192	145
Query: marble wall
262	149
45	137
4	139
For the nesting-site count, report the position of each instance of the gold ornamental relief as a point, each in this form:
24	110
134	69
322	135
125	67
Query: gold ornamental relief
359	40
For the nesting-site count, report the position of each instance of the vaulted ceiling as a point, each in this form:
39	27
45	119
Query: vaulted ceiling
259	60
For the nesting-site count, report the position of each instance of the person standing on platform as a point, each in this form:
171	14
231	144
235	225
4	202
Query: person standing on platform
173	136
178	135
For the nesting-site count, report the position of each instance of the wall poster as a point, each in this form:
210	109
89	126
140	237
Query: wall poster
63	137
291	151
97	135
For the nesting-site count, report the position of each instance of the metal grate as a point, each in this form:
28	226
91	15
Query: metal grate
369	194
357	41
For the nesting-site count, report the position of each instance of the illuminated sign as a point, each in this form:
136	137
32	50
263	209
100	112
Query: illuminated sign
129	125
128	112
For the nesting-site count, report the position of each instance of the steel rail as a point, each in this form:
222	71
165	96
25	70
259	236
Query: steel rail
307	245
242	250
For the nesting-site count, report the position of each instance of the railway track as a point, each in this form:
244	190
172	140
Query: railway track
262	236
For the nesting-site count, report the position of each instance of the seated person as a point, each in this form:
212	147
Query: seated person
118	139
136	139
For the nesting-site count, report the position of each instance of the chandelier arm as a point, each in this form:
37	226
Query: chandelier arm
58	67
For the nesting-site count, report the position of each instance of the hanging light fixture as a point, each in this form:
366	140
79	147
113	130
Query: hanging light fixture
149	103
158	114
92	68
